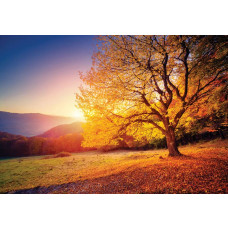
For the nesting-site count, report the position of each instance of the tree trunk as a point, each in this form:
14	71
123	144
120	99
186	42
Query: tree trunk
172	143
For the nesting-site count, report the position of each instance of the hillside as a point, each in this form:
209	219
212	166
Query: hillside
30	124
62	130
203	169
8	136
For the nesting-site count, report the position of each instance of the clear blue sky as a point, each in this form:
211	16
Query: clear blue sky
40	73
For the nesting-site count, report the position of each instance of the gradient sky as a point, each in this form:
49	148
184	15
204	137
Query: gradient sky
39	74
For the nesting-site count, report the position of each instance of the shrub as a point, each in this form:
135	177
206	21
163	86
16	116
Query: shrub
59	155
62	154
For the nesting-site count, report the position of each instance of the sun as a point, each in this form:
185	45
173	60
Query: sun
78	114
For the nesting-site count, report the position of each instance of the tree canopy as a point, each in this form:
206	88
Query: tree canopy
146	85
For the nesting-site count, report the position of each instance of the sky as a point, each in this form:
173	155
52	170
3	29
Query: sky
40	74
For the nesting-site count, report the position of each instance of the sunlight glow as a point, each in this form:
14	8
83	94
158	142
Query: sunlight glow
78	114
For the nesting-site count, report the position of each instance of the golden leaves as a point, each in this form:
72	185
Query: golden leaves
203	169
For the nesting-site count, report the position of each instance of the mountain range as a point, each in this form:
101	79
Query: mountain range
33	124
62	130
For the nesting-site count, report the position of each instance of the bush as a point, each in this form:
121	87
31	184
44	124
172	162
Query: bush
62	154
59	155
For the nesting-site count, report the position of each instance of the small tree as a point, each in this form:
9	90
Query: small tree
141	81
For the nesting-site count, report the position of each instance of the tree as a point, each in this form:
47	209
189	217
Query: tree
141	81
212	115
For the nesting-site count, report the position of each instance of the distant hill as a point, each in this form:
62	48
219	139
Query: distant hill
62	130
30	124
6	135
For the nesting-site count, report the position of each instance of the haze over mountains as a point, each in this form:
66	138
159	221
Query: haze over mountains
33	124
62	130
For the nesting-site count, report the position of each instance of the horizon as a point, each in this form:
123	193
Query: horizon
40	74
46	114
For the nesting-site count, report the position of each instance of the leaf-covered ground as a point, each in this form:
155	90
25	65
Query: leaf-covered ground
203	169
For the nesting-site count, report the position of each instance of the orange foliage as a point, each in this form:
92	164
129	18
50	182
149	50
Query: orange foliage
149	82
203	169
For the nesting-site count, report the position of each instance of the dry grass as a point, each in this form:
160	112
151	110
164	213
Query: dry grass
203	169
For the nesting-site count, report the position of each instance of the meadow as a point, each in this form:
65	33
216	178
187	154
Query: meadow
202	169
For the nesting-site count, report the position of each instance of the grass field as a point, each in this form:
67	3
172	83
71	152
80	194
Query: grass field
204	169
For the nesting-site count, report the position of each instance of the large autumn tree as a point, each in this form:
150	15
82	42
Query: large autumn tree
148	82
